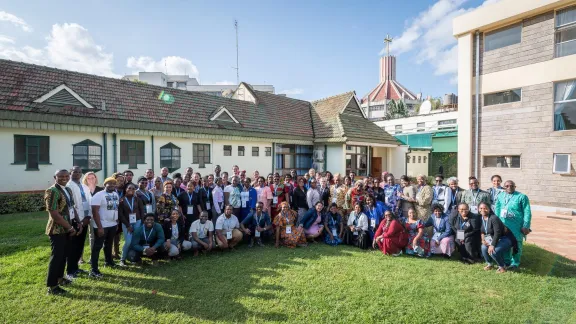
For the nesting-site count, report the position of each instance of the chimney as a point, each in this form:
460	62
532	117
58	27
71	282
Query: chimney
387	68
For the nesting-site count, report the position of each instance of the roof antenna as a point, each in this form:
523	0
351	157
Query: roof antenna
237	67
165	67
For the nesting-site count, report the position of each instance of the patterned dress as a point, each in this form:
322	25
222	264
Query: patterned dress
55	199
422	247
279	192
333	222
165	204
291	240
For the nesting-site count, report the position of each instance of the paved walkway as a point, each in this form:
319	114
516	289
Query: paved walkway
555	235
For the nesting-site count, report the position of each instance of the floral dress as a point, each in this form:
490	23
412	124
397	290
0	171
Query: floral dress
422	247
165	204
296	236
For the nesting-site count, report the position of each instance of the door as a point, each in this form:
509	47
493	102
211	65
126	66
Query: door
376	166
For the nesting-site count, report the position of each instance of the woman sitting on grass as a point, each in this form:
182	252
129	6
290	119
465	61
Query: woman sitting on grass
312	222
418	241
442	241
357	233
147	240
175	236
333	226
391	237
287	233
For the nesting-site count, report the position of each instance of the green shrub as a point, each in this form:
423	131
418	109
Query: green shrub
21	203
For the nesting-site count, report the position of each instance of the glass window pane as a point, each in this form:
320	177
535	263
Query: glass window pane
564	49
81	161
515	162
175	152
19	149
95	150
565	116
566	35
80	150
502	97
566	16
32	160
363	150
165	152
44	145
95	163
503	37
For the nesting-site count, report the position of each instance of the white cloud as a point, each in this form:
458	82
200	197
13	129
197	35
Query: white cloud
225	82
6	39
16	21
170	64
293	91
429	36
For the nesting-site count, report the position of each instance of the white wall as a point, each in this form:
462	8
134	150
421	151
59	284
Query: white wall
250	163
414	169
397	160
410	124
335	159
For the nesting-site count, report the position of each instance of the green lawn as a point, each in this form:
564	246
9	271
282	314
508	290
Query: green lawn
315	284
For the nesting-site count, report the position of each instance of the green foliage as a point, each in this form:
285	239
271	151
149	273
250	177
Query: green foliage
436	103
21	203
396	109
448	160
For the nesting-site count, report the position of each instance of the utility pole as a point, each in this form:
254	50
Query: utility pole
237	66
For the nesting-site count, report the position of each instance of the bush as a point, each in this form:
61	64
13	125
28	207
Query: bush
21	203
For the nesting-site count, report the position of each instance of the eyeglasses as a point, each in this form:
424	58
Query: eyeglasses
438	180
509	186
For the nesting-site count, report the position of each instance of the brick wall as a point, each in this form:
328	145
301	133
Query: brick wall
537	45
528	126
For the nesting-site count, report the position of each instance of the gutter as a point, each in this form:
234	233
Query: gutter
105	157
477	104
115	165
152	146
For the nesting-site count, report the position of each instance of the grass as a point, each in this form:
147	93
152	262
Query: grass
315	284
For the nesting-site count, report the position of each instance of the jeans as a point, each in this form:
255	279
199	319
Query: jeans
128	238
501	249
105	240
76	247
57	263
135	256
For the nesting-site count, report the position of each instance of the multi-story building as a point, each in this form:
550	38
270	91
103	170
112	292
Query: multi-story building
184	82
517	97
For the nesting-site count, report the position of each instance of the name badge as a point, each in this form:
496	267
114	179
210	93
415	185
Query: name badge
387	200
85	207
243	203
275	200
146	247
488	239
503	213
289	229
132	218
355	233
208	206
460	235
373	222
436	236
190	210
257	234
229	235
244	196
333	200
474	209
149	209
334	232
71	212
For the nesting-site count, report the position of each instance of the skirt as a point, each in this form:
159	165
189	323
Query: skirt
446	246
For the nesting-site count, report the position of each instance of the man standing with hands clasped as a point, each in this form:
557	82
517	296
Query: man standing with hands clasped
62	219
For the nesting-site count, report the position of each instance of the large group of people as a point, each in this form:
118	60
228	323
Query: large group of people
168	217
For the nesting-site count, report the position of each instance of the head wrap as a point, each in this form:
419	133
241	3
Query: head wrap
110	179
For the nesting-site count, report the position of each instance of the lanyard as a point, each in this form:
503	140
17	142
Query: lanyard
175	230
207	193
475	197
81	191
227	223
333	221
454	197
113	201
258	219
119	193
190	198
371	210
201	230
485	223
130	204
146	194
507	199
146	238
177	191
437	226
68	199
173	200
494	192
287	219
275	188
461	223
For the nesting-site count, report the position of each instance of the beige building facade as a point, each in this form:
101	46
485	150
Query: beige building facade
520	58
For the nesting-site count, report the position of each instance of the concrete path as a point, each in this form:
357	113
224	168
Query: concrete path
554	234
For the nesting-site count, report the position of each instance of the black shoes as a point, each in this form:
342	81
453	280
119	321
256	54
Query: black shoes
55	291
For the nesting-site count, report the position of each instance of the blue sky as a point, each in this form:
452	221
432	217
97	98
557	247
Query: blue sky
308	49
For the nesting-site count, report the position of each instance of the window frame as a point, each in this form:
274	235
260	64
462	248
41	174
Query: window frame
560	28
196	157
295	159
26	159
171	167
227	148
554	171
87	143
363	172
241	150
255	151
501	92
447	122
554	103
126	159
268	151
502	156
494	31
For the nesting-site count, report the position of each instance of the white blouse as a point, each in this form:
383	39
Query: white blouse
362	220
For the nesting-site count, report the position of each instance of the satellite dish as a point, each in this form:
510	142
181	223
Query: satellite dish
425	108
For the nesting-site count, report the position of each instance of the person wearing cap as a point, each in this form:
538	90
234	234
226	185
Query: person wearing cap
130	213
257	225
61	217
81	197
202	234
105	223
147	240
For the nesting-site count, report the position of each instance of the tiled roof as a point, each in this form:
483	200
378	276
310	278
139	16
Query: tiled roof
333	122
136	105
389	90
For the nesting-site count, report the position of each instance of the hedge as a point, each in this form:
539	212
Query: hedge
21	203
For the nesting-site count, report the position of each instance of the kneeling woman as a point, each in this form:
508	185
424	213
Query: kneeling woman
287	233
147	240
391	237
357	233
467	228
442	241
175	235
312	222
333	226
495	243
418	241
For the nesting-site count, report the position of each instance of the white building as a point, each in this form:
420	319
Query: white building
184	82
53	119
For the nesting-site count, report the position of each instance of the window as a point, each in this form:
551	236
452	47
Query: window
268	151
87	155
290	156
408	159
414	159
31	151
201	154
503	37
255	151
170	84
181	84
565	105
566	32
512	161
419	159
561	163
356	160
227	150
425	158
398	129
420	127
447	122
240	150
170	157
132	153
377	107
502	97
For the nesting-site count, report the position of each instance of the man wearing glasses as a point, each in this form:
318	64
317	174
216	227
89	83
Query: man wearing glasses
513	209
474	196
439	193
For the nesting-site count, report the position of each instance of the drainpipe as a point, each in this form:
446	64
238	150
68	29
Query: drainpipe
325	157
152	146
105	155
274	157
114	167
406	161
477	104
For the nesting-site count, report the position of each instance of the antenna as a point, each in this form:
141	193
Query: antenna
388	40
165	67
237	67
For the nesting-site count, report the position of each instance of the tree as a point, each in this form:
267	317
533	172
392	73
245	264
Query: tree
436	103
396	109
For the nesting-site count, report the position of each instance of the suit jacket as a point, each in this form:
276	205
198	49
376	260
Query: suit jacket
454	201
206	195
471	230
324	195
444	228
184	201
308	219
155	240
124	210
167	227
493	227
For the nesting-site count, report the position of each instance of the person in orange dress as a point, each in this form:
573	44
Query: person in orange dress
287	232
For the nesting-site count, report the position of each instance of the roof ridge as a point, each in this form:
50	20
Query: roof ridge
279	96
334	96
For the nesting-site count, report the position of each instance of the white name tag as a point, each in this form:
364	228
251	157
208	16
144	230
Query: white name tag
229	235
256	234
146	247
333	200
208	206
132	218
334	232
474	209
289	229
85	206
460	235
190	210
243	203
373	222
71	213
275	200
436	236
244	196
149	209
488	239
387	200
503	213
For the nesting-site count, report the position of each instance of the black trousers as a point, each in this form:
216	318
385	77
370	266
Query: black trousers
75	249
106	241
57	263
469	248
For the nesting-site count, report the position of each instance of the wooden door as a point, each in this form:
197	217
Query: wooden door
376	166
